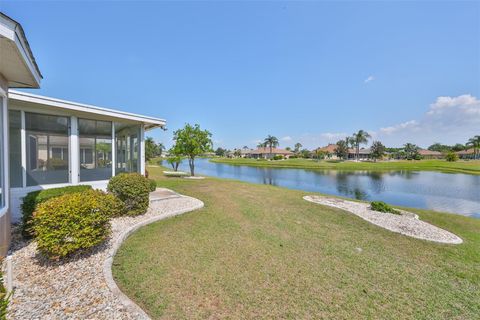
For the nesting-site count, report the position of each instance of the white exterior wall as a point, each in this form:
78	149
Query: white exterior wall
5	211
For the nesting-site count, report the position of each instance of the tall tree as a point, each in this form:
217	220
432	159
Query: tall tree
342	149
297	147
160	148
271	142
360	137
474	143
411	150
191	141
150	148
378	150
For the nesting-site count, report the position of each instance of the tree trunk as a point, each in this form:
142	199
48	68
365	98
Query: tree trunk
357	154
192	166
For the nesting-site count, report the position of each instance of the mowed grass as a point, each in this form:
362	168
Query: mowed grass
470	167
258	251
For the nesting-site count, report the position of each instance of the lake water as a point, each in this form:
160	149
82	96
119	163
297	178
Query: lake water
447	192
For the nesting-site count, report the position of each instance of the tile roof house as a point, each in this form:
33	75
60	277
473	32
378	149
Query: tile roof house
266	153
429	154
467	154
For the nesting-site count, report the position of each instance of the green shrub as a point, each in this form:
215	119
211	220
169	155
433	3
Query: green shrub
382	207
33	199
153	185
133	189
72	222
278	157
451	157
4	297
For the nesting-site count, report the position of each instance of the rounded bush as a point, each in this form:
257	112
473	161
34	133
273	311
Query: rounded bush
133	190
73	222
32	199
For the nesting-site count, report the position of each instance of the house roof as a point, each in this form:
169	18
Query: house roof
425	152
468	151
330	148
18	64
266	150
34	101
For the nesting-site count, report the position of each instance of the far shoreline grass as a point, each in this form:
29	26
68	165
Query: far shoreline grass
466	167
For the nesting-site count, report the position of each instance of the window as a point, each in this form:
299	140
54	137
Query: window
95	149
15	151
47	149
127	147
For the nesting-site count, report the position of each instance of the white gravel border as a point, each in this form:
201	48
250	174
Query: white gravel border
406	223
82	286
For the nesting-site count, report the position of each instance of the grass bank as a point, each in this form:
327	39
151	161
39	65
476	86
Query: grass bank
469	167
258	251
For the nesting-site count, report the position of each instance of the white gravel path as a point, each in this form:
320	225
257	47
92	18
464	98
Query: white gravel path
407	223
81	288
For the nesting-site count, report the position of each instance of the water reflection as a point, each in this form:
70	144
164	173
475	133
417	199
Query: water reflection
457	193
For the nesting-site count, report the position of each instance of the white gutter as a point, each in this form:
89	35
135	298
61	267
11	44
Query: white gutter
150	122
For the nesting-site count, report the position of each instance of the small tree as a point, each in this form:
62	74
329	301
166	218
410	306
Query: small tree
411	151
191	141
451	157
220	152
378	150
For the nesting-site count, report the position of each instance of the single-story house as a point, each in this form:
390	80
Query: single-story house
466	154
329	151
266	153
363	154
48	142
428	154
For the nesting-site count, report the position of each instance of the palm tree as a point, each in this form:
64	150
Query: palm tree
360	137
271	142
261	145
475	144
297	147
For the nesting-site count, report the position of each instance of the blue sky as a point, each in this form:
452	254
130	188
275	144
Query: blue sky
306	72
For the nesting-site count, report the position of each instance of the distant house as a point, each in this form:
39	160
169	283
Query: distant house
265	153
363	154
329	151
466	154
429	154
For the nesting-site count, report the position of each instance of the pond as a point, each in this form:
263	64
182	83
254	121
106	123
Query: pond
447	192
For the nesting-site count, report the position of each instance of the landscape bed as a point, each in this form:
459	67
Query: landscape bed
263	252
469	167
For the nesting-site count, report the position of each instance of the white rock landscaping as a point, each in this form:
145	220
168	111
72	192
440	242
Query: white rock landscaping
406	223
82	287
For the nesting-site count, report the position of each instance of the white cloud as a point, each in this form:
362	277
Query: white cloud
286	139
369	79
447	120
400	126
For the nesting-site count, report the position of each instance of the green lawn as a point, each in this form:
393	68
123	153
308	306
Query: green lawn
258	251
471	167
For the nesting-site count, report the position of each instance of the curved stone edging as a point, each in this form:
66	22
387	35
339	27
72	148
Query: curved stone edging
407	223
131	306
